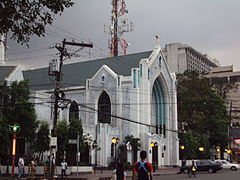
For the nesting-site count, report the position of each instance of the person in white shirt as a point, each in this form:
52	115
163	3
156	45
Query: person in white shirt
20	167
63	168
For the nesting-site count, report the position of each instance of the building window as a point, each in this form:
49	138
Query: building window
104	108
141	70
134	78
103	79
119	83
160	61
73	111
234	79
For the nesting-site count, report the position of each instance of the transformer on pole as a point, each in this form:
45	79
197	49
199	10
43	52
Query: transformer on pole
119	26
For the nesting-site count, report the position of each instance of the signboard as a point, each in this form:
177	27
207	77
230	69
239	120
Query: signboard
237	141
53	141
72	141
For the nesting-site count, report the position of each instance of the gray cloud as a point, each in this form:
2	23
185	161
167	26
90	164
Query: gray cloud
210	26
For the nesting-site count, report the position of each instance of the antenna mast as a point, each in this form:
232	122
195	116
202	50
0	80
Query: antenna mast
119	25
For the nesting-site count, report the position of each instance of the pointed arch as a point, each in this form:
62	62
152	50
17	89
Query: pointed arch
104	108
73	111
159	106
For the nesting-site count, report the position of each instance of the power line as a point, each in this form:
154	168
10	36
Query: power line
122	118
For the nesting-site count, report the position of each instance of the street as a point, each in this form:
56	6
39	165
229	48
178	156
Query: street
221	175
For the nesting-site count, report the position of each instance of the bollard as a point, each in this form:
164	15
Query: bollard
45	169
29	170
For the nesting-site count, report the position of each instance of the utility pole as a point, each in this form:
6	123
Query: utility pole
230	125
119	26
55	69
57	73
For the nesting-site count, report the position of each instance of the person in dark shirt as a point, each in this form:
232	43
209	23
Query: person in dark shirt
142	169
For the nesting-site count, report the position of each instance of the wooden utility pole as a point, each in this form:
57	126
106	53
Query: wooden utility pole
63	52
55	69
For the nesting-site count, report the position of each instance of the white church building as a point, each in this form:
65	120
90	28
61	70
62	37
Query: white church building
133	94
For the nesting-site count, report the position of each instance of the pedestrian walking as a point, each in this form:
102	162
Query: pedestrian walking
20	166
142	169
47	167
63	168
33	166
119	173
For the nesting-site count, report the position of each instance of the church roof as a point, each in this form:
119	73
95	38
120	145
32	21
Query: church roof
75	74
5	71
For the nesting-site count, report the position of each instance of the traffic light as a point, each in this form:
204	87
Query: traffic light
14	128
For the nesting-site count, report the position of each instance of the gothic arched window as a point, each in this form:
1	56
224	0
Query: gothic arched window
73	111
104	108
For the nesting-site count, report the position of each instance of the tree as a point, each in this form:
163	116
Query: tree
134	143
29	17
201	109
222	87
192	140
62	137
74	129
16	108
42	140
5	140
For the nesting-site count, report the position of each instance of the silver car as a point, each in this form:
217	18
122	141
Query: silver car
228	165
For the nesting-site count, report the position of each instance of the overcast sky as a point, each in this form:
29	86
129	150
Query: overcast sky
209	26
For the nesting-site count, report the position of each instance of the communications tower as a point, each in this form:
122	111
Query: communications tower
119	26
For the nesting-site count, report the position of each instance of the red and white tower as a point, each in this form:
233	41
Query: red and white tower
119	26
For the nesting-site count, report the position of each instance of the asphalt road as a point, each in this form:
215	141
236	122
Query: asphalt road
220	175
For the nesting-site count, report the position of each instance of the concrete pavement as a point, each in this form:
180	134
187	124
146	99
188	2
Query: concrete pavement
104	175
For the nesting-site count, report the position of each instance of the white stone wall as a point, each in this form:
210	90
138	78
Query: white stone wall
129	102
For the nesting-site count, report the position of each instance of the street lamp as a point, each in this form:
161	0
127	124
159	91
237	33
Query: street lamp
154	146
182	154
201	149
14	129
115	142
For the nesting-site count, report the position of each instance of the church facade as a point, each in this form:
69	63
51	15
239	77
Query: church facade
118	96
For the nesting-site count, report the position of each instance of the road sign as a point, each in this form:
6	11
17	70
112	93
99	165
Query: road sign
72	141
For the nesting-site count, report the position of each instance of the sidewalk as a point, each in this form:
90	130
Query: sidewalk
104	175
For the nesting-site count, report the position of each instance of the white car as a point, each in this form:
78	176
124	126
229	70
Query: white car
228	165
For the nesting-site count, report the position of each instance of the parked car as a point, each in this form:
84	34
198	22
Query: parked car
228	165
208	165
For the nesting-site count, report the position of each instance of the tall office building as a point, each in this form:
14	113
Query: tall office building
225	75
181	57
221	78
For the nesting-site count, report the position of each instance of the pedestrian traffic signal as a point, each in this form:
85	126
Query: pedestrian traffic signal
14	128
